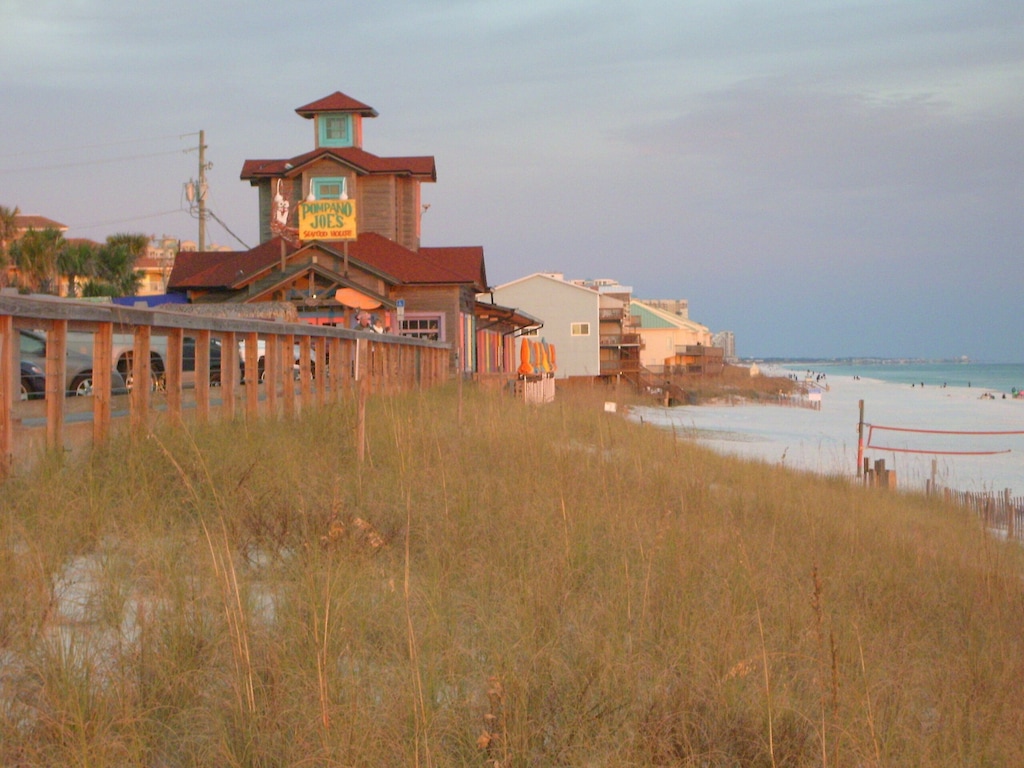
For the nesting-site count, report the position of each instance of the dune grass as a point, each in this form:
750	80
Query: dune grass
536	586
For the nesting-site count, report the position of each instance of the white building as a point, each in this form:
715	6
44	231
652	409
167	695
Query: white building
663	332
571	317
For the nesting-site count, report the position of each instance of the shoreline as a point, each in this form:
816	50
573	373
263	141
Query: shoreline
825	441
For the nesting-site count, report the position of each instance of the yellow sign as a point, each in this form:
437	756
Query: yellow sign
327	220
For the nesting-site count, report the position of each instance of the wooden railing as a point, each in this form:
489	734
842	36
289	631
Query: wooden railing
620	340
300	366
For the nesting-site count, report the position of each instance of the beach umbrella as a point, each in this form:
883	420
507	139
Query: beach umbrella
525	369
544	360
551	349
353	298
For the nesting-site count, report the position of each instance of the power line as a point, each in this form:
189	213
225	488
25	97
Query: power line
217	219
126	221
88	162
63	148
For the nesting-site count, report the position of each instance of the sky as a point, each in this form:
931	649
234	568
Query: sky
822	178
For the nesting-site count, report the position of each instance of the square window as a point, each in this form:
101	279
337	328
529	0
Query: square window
329	188
335	130
580	329
424	327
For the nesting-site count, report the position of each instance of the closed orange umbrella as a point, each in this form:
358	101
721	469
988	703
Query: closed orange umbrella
525	369
551	349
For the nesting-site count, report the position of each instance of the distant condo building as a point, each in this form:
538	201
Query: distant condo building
726	341
678	307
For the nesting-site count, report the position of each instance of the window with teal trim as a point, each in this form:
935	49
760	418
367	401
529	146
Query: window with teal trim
335	130
329	188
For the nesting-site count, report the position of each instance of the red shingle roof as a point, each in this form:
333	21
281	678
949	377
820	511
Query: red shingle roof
408	266
224	269
31	221
467	261
336	102
359	159
429	266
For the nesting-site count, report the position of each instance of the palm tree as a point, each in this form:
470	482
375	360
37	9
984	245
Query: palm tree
76	260
137	243
8	231
35	256
115	267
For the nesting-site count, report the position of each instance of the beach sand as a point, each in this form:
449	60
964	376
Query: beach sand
825	441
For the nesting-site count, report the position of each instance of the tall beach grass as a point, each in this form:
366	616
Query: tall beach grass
495	585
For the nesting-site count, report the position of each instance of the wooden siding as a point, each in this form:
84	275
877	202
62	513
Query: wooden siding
377	205
443	300
407	204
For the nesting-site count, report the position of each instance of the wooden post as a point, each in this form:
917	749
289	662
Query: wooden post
1011	516
252	375
102	352
337	369
202	385
305	371
286	357
228	374
362	383
323	370
860	438
458	372
142	378
8	386
172	374
56	381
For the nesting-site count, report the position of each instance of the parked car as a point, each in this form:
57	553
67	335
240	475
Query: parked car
79	381
123	351
33	381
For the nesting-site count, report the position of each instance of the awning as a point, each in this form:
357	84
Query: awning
489	315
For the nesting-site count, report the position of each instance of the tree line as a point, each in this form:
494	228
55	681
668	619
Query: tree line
41	257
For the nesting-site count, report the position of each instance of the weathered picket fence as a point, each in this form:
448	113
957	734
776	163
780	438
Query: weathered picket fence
299	366
999	511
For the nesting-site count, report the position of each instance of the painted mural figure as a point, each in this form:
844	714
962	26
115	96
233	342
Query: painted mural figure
279	215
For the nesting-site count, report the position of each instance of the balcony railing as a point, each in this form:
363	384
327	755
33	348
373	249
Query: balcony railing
699	350
611	367
621	340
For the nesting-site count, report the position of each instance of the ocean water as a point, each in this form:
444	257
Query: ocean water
997	378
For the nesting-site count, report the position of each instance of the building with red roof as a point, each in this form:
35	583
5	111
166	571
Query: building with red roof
340	233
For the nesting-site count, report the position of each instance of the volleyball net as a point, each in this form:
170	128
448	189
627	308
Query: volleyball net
937	442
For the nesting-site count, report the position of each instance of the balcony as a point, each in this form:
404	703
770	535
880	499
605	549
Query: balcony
612	367
621	340
698	350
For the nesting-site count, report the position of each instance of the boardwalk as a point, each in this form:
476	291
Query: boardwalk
300	366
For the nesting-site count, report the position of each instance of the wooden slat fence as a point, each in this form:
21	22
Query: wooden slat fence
304	366
999	511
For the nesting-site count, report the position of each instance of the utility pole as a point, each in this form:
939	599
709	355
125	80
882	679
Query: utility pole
201	192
